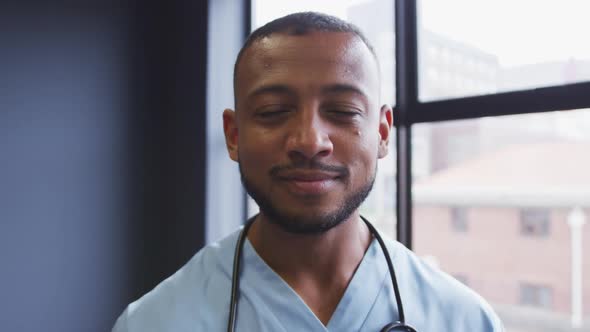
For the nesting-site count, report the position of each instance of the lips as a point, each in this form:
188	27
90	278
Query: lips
309	182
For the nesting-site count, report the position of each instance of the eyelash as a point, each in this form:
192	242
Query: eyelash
342	114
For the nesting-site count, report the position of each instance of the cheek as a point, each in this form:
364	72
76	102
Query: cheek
367	143
256	151
361	151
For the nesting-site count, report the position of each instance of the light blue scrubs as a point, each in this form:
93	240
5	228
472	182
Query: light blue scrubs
196	298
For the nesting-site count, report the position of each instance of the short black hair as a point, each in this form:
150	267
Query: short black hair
301	24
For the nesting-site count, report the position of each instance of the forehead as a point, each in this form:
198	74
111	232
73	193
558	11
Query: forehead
311	59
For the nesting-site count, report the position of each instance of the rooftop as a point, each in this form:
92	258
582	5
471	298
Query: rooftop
543	174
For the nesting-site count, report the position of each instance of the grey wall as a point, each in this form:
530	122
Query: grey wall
102	156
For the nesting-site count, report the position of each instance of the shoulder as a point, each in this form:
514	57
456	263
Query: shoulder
193	296
438	296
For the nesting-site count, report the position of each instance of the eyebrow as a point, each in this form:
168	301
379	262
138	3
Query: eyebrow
344	88
284	89
274	89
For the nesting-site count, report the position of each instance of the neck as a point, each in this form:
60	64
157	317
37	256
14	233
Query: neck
318	267
337	250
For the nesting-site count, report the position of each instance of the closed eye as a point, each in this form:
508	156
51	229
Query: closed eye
271	114
343	113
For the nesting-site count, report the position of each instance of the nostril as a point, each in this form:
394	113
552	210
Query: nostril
309	136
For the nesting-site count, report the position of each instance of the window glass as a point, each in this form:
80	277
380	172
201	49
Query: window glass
375	19
516	191
459	219
475	47
535	295
534	222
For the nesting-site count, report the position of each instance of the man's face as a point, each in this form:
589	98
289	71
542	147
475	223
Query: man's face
308	128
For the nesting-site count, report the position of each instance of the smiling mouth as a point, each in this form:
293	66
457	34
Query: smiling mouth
310	183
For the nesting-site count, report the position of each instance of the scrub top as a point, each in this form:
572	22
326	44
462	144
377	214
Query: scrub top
196	298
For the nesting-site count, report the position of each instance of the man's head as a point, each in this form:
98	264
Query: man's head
308	126
301	24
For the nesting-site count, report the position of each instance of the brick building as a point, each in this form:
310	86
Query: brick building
499	222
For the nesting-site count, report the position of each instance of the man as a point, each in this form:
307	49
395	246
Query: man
307	132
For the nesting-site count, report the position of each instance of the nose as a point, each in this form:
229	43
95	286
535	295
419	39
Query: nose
309	137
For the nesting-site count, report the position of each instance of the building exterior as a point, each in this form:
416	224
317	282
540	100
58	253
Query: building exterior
505	224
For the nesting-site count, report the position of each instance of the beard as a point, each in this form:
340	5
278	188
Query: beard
306	224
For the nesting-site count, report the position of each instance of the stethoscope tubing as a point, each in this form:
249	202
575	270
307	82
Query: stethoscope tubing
235	284
397	326
398	299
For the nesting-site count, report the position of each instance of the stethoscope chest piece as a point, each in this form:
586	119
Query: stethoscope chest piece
397	327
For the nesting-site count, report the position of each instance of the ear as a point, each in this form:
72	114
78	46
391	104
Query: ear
385	123
230	129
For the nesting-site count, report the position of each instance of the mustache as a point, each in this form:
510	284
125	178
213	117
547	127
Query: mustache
276	171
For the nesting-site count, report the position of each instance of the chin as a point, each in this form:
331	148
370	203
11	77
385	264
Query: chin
310	222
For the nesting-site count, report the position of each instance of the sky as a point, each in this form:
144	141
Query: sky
516	31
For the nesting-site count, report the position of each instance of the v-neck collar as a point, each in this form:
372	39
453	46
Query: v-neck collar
290	309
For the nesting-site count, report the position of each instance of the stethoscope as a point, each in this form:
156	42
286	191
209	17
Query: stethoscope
399	326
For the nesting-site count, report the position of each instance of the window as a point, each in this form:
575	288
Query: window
534	222
517	55
535	295
459	219
510	196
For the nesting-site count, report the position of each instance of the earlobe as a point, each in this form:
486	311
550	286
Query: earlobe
385	124
230	130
